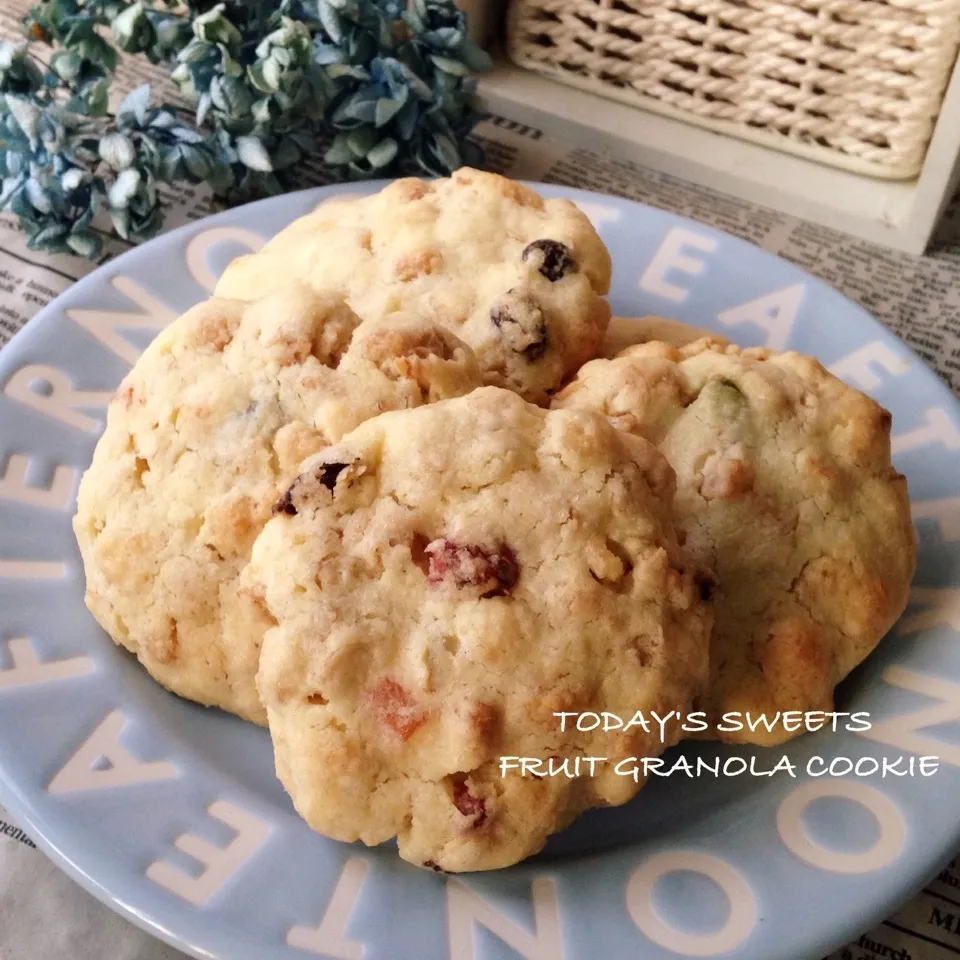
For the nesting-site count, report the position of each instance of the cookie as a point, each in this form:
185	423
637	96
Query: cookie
626	332
519	278
785	489
203	435
444	581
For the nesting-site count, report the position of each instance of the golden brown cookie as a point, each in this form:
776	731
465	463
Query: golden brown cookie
203	435
444	581
786	491
519	278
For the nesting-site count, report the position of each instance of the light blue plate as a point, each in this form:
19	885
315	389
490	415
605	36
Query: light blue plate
171	813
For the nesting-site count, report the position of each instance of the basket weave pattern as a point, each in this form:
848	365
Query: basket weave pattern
852	83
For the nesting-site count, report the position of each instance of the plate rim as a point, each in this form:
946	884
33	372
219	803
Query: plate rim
19	805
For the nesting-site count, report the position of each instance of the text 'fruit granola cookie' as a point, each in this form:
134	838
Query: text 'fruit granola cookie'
202	437
444	580
786	491
519	278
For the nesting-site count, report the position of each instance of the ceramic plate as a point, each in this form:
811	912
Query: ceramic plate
171	814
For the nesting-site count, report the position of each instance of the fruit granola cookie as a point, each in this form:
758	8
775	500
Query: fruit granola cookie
444	581
203	435
519	278
786	491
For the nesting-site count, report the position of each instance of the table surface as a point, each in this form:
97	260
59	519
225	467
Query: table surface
46	916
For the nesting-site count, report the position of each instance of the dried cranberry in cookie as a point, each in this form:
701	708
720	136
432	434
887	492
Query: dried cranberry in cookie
786	491
520	279
472	807
460	565
494	563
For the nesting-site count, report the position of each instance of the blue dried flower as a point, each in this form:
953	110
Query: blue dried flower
384	87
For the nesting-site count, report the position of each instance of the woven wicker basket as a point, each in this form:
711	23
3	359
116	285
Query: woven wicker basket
851	83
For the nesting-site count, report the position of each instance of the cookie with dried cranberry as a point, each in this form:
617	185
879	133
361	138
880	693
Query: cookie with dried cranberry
203	435
520	279
444	581
786	491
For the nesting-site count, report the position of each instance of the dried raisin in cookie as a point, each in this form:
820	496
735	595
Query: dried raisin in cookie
202	436
626	332
444	580
519	278
786	491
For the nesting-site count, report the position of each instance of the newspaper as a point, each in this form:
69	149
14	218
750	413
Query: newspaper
45	916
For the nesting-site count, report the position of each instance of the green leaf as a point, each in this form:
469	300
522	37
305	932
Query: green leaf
447	151
195	51
203	107
118	151
11	186
330	20
124	189
285	155
270	73
134	106
338	71
95	49
96	98
48	238
214	27
361	141
84	244
74	178
26	115
386	110
38	197
253	154
256	77
132	31
231	96
383	153
170	160
121	221
262	112
230	67
453	67
406	120
195	161
474	56
356	108
339	153
186	134
182	77
421	89
66	65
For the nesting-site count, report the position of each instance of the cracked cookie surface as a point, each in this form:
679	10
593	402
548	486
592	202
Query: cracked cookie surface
519	278
786	491
444	580
203	435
